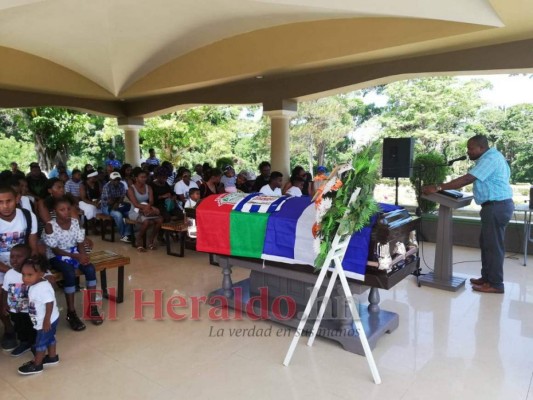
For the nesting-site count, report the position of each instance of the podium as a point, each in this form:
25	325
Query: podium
442	277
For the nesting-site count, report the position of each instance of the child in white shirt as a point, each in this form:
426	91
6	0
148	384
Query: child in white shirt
194	196
44	315
297	185
15	297
273	188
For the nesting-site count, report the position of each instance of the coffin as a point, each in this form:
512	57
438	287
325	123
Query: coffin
266	243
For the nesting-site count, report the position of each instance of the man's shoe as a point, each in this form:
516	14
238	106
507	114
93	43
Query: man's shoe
22	348
9	342
75	322
477	281
125	239
30	368
47	360
486	288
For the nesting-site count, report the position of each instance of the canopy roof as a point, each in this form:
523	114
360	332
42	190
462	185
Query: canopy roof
137	58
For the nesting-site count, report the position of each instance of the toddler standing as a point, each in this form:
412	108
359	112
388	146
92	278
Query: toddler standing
44	316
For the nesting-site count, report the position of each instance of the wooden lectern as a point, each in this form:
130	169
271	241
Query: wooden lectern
442	277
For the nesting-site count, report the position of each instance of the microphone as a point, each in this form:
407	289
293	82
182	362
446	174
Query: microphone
457	159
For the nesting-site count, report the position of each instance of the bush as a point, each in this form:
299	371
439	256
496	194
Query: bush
430	169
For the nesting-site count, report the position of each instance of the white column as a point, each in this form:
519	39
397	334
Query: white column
280	157
131	129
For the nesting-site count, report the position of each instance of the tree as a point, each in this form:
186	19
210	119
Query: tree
515	140
186	135
54	132
22	152
436	111
324	124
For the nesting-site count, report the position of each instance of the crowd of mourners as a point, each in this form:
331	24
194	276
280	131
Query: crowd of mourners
41	232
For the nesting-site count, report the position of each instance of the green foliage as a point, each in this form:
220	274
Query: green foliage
364	176
515	141
252	144
104	136
15	150
192	136
435	111
321	128
223	161
429	169
440	112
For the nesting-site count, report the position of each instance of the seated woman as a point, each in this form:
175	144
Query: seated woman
164	197
299	172
242	184
45	207
87	169
127	177
143	211
66	253
77	187
211	184
90	192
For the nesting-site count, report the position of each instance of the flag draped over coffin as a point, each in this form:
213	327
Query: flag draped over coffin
270	228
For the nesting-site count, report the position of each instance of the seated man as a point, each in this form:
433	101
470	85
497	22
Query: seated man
183	187
37	182
113	194
273	188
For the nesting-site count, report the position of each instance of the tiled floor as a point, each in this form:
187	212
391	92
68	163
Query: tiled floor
460	345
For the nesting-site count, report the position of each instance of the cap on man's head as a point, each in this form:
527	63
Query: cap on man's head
115	175
321	168
227	168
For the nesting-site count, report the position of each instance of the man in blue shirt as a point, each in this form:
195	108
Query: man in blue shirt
493	192
152	159
111	160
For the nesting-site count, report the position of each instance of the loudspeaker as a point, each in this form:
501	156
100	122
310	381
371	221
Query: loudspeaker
397	157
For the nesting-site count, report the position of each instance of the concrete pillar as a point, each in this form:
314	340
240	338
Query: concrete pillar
280	156
131	127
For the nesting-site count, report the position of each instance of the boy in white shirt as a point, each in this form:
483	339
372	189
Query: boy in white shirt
44	315
273	188
194	196
15	297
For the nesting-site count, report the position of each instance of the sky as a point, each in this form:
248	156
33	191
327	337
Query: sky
506	90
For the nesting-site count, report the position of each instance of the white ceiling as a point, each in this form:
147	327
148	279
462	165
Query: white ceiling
116	42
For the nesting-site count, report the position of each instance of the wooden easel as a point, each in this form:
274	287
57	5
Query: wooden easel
335	256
